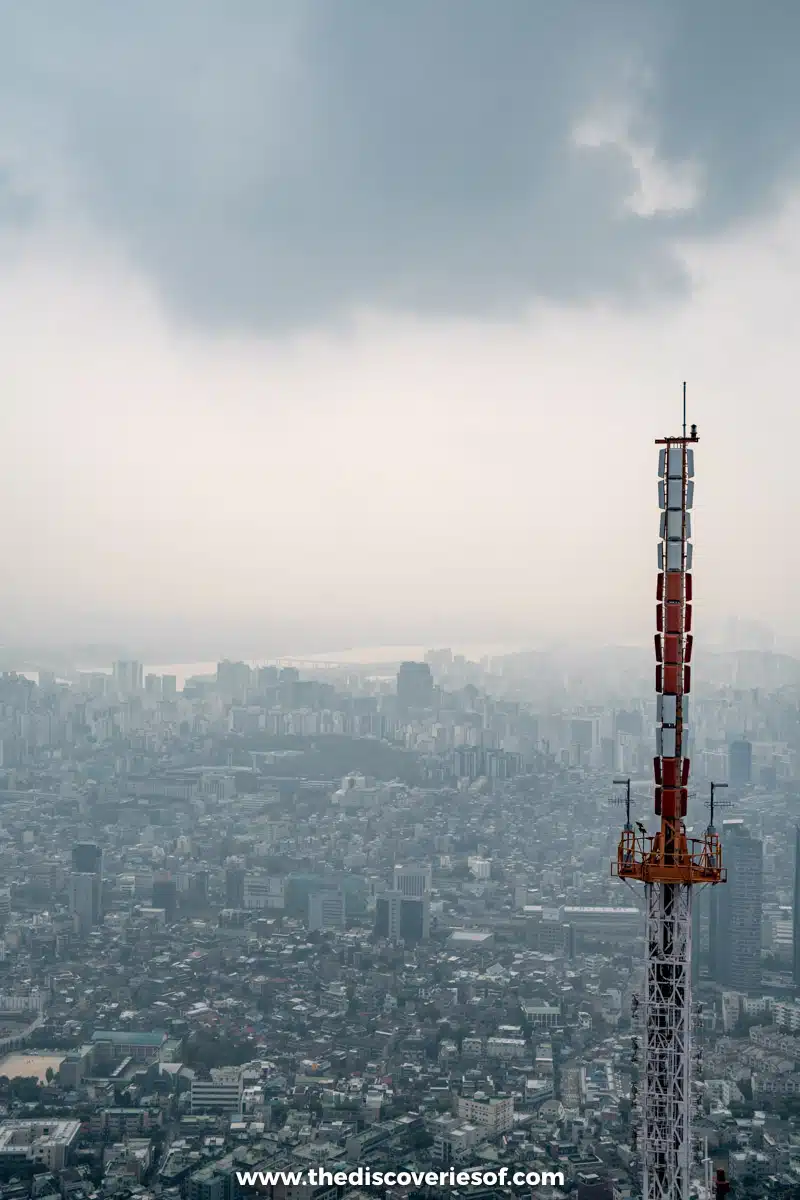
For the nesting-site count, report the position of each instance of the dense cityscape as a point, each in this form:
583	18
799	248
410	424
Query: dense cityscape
364	915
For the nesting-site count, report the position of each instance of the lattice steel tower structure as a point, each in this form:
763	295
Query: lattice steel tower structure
667	863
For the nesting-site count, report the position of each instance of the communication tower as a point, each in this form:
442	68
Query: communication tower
668	863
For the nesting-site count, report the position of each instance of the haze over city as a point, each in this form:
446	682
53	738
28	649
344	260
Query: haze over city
346	325
399	634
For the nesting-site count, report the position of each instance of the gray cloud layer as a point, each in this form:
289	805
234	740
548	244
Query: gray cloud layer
273	165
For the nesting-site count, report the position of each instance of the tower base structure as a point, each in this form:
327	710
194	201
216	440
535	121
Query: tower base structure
666	1088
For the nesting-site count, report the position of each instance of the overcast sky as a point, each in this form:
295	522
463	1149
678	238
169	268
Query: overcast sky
354	321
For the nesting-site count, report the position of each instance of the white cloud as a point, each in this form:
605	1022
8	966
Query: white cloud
661	187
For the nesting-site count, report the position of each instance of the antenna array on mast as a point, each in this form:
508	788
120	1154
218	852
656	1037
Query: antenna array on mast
668	863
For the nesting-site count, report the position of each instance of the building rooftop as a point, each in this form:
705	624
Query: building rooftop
121	1037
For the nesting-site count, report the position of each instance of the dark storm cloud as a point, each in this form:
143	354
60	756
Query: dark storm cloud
276	164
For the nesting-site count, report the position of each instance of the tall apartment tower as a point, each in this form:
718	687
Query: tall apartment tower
740	763
736	913
796	911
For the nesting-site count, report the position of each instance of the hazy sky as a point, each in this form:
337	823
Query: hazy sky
353	321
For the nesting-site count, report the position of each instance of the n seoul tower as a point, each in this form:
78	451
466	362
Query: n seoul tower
668	864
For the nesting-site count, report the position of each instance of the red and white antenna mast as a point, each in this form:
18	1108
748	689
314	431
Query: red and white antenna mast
669	864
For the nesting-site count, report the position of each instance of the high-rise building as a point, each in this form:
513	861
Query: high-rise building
234	887
169	687
735	934
127	677
266	677
585	734
740	763
165	895
82	901
87	863
696	939
439	660
413	879
400	918
199	885
326	910
796	911
414	685
233	679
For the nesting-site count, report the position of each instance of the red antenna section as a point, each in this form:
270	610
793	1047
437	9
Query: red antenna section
668	856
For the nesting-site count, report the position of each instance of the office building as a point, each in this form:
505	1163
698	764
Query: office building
169	687
387	916
414	685
740	763
400	918
703	951
264	891
222	1093
39	1143
735	934
413	879
326	910
492	1113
